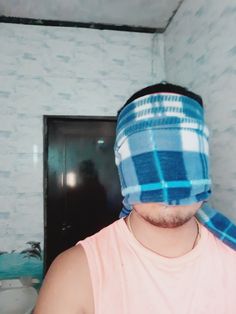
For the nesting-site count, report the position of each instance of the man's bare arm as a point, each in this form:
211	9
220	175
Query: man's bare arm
67	286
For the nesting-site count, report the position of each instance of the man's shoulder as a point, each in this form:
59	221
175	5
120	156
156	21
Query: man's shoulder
69	276
71	257
223	249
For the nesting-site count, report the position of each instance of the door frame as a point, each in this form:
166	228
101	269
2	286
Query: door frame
46	120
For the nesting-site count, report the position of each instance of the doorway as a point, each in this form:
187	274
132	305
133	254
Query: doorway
81	183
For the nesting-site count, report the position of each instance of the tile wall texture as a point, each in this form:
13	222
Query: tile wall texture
72	71
58	71
200	53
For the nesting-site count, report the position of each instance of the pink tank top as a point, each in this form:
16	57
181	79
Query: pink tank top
127	278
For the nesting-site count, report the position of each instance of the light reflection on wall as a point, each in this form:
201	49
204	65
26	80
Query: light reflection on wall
35	153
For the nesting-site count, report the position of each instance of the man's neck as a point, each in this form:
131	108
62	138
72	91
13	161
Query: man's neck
167	242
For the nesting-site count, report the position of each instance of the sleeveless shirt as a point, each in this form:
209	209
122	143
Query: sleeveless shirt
127	278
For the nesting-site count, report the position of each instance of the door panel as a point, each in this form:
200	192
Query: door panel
83	189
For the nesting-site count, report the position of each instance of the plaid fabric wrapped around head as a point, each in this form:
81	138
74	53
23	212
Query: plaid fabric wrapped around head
162	155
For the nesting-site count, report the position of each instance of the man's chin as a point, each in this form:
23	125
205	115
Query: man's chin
167	223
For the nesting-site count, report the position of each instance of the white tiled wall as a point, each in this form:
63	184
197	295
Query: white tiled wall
200	53
58	71
72	71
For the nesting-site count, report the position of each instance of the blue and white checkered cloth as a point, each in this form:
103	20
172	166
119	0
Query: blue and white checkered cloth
162	155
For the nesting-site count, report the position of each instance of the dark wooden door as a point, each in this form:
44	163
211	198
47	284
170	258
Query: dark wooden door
82	186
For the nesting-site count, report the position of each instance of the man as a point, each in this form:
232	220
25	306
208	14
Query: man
171	254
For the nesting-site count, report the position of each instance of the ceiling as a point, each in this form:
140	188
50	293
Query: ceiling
137	13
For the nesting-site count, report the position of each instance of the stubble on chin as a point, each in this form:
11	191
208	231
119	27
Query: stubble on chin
168	222
166	217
